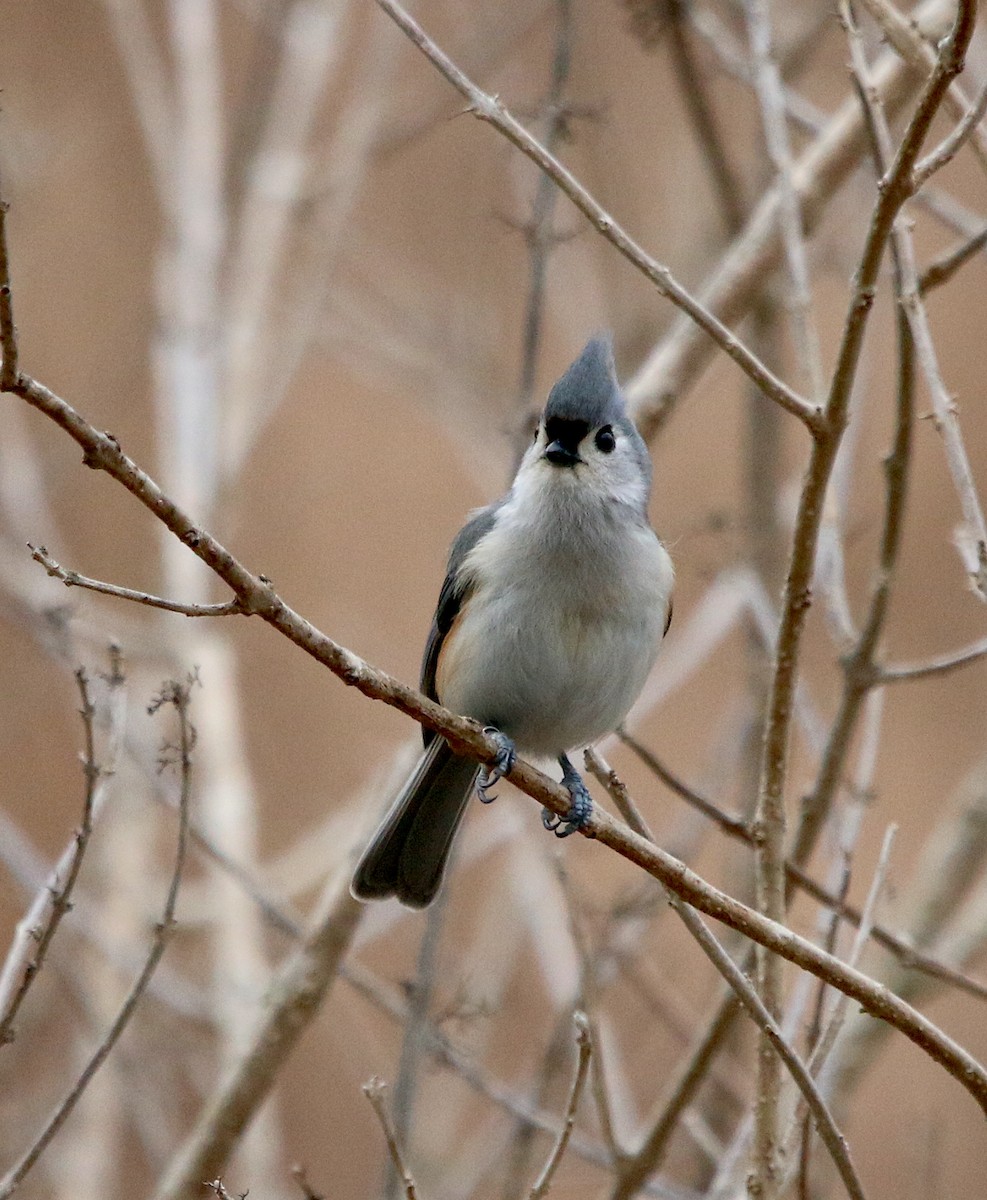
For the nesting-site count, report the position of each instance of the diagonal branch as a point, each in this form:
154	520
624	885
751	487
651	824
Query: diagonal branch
74	579
490	109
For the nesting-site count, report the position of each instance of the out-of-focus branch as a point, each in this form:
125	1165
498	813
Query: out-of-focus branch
539	232
39	926
294	998
74	579
176	695
446	1054
770	92
693	83
943	269
489	108
944	664
421	993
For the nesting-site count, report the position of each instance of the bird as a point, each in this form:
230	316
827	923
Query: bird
554	604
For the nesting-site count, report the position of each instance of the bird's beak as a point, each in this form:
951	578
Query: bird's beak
561	456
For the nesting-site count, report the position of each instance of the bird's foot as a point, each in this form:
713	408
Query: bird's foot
501	765
580	803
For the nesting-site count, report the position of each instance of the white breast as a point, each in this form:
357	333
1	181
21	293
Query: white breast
561	630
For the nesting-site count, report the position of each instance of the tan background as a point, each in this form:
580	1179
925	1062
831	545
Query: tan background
392	427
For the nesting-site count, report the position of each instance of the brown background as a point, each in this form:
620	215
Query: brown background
395	424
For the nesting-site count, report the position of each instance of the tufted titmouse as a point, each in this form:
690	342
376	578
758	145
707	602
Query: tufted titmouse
554	603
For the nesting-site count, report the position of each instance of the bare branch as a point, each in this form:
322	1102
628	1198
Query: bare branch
40	926
738	279
753	1005
770	823
177	695
74	579
943	269
374	1090
904	35
933	667
489	108
585	1047
947	149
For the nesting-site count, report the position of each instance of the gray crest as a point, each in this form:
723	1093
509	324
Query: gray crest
589	390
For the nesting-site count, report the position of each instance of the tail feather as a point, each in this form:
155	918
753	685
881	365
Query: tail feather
407	855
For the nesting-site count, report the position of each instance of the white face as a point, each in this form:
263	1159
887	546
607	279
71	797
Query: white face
601	461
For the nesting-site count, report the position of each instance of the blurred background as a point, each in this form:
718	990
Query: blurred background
259	241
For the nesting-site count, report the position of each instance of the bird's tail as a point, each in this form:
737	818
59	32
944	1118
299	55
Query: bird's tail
407	855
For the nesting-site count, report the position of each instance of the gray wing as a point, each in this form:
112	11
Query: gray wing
451	597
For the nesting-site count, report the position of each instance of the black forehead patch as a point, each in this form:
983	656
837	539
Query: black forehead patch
568	433
588	391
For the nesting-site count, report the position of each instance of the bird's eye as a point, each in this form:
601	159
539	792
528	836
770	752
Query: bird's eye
605	440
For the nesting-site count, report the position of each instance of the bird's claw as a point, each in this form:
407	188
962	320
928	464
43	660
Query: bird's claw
580	805
502	765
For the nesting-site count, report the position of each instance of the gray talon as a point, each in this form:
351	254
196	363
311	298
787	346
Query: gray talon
580	803
502	765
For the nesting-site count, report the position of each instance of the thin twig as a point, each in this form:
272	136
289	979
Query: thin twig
448	1055
903	34
374	1090
57	898
490	109
771	816
588	1006
933	667
947	149
820	1051
902	947
738	280
219	1190
177	695
943	269
585	1047
822	1042
74	579
751	1002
